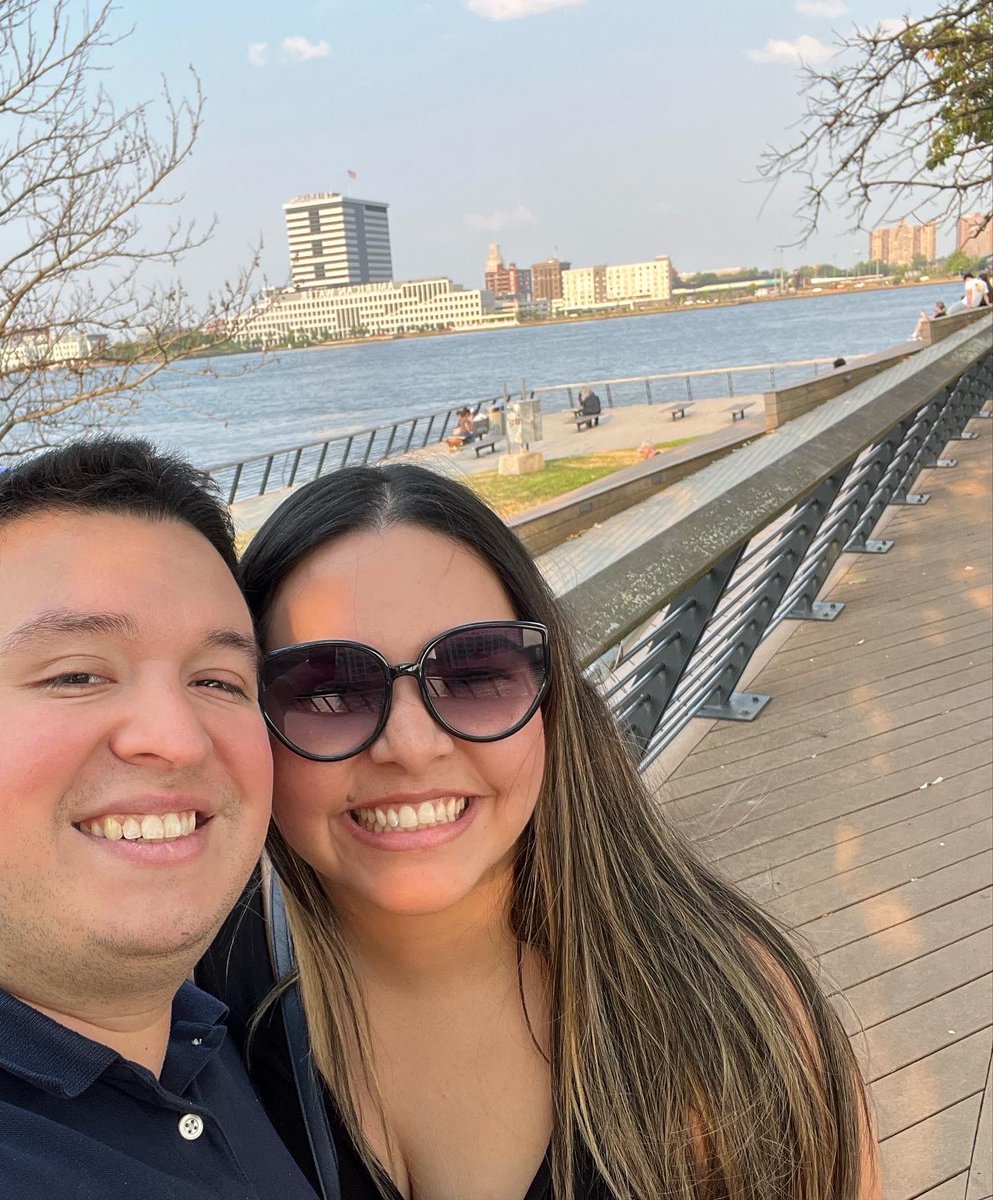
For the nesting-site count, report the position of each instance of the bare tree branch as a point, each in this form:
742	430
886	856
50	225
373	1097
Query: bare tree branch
82	325
903	119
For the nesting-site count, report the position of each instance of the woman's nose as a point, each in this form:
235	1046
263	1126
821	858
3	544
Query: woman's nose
411	736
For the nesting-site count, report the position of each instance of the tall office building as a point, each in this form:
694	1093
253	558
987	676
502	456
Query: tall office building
972	236
337	241
546	279
899	245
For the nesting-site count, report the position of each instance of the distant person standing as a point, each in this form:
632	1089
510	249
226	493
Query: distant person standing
977	291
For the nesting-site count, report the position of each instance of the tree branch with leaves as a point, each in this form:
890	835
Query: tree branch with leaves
900	125
81	189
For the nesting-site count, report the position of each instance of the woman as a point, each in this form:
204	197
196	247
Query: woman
518	980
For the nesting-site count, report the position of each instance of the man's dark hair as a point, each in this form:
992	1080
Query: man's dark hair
126	477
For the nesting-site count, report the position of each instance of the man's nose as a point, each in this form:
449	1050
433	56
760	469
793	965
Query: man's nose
161	722
411	737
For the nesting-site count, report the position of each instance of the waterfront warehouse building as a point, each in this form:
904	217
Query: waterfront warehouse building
337	240
321	314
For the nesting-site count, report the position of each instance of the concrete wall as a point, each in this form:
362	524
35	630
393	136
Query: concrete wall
786	403
543	528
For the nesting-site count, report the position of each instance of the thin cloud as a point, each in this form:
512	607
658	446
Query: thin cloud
889	26
258	53
298	49
508	218
804	49
821	9
514	10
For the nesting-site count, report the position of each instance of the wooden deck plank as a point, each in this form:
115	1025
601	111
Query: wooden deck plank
899	904
787	768
929	1154
932	1084
864	883
951	1189
818	809
727	828
869	957
981	1167
923	978
832	831
834	731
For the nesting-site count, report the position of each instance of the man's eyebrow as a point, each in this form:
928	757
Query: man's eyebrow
231	639
58	622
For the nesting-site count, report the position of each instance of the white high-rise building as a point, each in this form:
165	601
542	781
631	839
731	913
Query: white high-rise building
337	240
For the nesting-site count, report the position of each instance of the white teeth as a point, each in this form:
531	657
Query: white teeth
149	827
152	829
427	814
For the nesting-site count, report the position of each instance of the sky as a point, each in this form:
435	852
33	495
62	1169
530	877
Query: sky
599	131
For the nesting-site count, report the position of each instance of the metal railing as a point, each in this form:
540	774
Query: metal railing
670	613
259	474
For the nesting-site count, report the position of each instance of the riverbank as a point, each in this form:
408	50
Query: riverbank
670	308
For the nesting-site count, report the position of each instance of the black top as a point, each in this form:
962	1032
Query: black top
238	969
79	1120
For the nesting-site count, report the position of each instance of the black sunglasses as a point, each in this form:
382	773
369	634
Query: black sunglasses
330	700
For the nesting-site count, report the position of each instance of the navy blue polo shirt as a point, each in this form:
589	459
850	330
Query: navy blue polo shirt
79	1122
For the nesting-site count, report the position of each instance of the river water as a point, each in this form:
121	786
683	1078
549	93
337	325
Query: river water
250	406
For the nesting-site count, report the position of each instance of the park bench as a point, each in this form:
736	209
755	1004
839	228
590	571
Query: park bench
584	420
487	443
737	411
678	411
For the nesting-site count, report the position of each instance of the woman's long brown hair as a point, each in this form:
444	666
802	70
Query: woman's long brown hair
693	1055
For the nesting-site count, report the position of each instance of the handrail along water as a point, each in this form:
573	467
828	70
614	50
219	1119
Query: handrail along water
275	470
669	612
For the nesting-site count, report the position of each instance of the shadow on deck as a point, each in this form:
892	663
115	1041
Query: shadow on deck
857	809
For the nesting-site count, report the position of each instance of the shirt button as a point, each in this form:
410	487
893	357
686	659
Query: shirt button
190	1127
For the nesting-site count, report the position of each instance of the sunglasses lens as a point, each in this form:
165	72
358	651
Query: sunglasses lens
484	682
325	700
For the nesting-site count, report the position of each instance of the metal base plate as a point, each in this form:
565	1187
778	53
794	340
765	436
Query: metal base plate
947	462
967	436
820	610
741	706
913	498
985	412
872	546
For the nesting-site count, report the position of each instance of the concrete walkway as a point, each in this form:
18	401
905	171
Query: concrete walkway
621	428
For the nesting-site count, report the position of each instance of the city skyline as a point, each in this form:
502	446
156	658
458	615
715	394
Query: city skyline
546	125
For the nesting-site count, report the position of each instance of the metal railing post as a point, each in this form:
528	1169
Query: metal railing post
265	475
641	714
234	483
723	702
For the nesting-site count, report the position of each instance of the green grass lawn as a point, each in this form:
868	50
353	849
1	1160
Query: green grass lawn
513	494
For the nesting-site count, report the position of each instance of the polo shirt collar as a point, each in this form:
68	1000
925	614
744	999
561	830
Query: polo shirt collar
63	1062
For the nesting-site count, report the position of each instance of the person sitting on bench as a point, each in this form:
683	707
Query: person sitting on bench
464	431
589	405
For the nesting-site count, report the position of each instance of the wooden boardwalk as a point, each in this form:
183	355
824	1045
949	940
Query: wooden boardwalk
857	808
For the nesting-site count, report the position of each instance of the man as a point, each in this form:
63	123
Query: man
975	291
134	797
